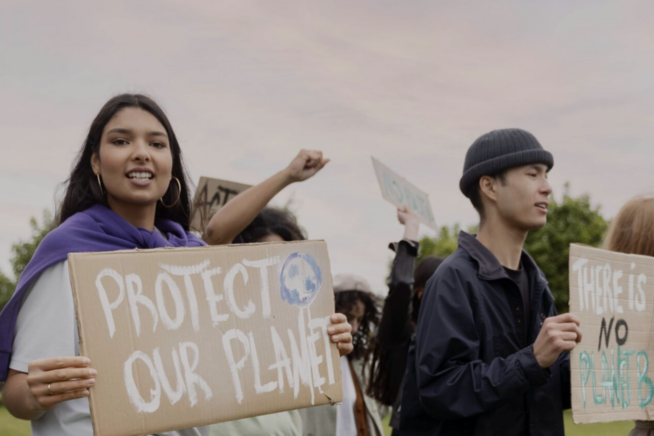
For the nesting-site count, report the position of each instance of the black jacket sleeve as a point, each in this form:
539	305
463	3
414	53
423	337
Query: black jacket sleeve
395	324
394	331
453	382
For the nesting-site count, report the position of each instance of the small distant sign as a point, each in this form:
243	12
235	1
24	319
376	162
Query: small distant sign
400	192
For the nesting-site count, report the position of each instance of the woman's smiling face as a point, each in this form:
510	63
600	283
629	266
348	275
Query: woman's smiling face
135	161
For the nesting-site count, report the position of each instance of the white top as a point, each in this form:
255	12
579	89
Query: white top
346	425
46	328
276	424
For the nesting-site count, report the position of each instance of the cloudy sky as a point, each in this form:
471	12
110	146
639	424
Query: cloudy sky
247	84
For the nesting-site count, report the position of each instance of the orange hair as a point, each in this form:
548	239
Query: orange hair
632	231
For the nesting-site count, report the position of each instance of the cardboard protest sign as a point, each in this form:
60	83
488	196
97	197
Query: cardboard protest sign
613	294
399	192
211	195
192	336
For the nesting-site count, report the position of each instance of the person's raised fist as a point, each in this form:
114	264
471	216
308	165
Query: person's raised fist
305	165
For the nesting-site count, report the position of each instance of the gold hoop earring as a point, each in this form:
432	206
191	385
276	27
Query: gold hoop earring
100	184
179	194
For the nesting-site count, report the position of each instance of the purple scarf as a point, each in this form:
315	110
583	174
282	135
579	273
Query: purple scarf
95	229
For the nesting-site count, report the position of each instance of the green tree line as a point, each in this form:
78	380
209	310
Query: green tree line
21	254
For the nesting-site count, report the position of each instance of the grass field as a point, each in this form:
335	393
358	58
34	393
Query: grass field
610	429
10	426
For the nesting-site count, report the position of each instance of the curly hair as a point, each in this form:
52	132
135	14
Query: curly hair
270	221
363	339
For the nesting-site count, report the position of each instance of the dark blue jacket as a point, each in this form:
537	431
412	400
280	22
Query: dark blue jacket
471	369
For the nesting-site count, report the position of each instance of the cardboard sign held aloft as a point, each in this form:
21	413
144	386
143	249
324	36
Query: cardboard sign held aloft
399	192
191	336
211	195
612	376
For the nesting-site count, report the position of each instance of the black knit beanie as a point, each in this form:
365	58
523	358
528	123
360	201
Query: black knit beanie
501	150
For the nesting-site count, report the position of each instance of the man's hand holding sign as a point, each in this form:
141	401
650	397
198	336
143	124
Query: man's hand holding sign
559	334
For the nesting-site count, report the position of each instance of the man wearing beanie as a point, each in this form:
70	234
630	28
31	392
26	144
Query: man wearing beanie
490	353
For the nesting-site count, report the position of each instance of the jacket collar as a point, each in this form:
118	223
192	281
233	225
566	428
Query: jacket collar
488	267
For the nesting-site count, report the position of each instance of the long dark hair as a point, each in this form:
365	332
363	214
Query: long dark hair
363	339
82	189
386	363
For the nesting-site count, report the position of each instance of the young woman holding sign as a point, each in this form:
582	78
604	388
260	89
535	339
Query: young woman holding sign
631	233
128	190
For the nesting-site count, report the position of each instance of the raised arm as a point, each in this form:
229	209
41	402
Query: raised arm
395	323
394	331
238	213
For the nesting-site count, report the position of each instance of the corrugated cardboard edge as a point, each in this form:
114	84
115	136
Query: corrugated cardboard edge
203	247
602	250
80	332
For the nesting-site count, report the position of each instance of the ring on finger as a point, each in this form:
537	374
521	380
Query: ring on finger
50	390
